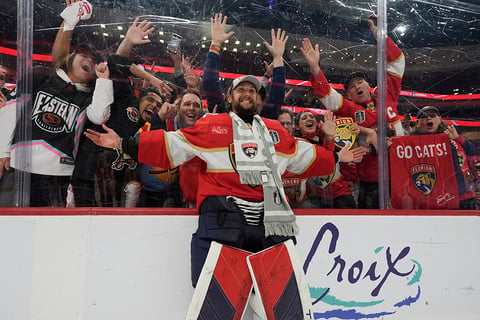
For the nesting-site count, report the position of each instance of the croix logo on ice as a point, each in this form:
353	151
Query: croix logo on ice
391	270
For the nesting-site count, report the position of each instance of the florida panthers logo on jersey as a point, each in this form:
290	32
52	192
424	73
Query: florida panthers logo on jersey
424	177
231	154
343	135
54	115
133	114
250	149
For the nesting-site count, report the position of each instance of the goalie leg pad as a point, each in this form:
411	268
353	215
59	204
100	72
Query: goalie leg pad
279	280
223	287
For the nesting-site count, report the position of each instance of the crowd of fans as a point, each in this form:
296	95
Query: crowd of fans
83	92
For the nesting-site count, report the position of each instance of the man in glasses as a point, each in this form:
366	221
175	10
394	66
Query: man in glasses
285	117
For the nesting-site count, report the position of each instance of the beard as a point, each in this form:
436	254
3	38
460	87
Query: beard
245	113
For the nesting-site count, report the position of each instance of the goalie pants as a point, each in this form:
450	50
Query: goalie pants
222	221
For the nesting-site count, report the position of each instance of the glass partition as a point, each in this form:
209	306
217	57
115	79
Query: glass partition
429	93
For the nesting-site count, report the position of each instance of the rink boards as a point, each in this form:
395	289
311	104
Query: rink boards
115	264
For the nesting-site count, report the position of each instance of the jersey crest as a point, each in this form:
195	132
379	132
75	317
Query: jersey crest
424	177
133	114
250	149
53	114
123	160
343	136
231	155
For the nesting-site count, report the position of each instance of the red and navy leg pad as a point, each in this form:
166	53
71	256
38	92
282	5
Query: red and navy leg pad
224	285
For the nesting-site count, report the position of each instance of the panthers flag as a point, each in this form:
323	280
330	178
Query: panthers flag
422	173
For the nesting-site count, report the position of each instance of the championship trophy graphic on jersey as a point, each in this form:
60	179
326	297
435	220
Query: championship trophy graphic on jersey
343	136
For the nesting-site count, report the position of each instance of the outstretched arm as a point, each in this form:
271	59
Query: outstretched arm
277	90
356	154
312	55
211	82
217	28
110	139
277	48
135	35
161	86
328	126
74	12
99	109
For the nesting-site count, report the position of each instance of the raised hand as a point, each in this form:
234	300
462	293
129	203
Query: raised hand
289	92
102	71
217	28
74	12
137	32
451	132
135	35
168	110
312	55
160	85
277	48
328	126
372	25
176	55
193	80
187	64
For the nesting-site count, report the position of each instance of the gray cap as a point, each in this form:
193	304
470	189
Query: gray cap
428	108
252	79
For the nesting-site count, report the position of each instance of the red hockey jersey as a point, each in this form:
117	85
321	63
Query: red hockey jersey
366	115
211	139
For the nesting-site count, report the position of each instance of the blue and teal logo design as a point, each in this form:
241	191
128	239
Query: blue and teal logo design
391	266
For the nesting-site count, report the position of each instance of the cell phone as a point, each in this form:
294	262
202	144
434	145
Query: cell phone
174	42
364	21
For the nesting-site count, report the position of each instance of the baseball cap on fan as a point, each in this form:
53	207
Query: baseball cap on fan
353	75
427	110
252	79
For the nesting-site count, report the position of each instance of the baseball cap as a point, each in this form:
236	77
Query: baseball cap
427	108
252	79
355	74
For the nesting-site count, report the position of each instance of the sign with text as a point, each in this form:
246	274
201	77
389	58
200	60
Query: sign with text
422	173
